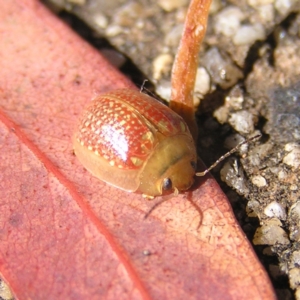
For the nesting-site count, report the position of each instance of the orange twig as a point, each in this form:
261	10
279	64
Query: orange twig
186	62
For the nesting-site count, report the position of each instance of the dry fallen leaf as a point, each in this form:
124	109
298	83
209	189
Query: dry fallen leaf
65	234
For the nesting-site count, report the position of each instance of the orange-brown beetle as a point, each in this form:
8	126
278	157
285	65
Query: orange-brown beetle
135	143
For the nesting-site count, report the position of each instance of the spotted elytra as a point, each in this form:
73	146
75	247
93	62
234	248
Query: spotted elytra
135	143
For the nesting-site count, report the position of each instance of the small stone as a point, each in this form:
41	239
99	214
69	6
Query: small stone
293	187
248	34
221	114
282	175
78	2
295	259
169	5
293	158
5	292
266	12
294	212
259	181
215	6
235	98
242	122
275	210
294	278
202	84
161	65
128	14
283	6
172	38
297	293
270	234
113	30
100	20
163	89
228	21
255	3
221	69
252	209
233	140
232	174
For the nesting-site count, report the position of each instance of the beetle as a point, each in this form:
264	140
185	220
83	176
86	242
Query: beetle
133	142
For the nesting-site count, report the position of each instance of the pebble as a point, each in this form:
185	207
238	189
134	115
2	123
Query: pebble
275	210
172	38
163	89
266	12
283	6
101	20
292	159
221	69
235	98
78	2
127	15
282	175
242	122
252	209
162	65
113	30
294	212
255	3
270	233
202	83
294	278
228	21
297	294
169	5
294	219
295	259
259	181
5	292
233	176
248	34
215	6
221	114
233	140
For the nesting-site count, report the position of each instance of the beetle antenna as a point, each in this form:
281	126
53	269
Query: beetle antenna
143	85
154	207
228	154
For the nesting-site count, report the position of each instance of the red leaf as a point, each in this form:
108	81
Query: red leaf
65	234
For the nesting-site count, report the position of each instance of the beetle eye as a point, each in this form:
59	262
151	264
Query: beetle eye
167	184
194	165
